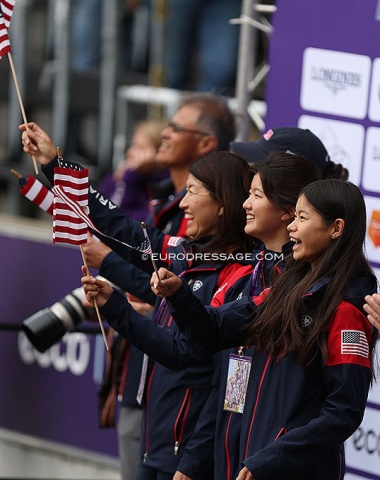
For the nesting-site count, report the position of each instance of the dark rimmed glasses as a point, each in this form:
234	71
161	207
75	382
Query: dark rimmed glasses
179	128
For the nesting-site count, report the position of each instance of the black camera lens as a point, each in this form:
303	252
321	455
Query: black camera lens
48	326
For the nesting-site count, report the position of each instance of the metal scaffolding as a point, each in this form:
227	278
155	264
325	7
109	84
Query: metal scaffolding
114	115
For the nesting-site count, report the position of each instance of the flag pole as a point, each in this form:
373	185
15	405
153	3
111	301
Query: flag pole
21	103
143	226
95	303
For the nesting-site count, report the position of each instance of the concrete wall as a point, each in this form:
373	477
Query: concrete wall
27	457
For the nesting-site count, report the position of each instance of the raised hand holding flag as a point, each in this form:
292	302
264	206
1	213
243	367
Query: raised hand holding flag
6	11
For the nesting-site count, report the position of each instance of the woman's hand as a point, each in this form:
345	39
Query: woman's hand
372	307
180	476
36	142
95	289
166	284
95	251
245	474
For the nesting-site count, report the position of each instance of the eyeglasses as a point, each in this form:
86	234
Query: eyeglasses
179	128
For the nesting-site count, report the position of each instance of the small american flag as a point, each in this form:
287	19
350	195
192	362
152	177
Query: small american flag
68	226
79	213
37	193
7	7
354	342
5	44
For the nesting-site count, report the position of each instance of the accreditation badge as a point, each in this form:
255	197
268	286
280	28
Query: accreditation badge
237	381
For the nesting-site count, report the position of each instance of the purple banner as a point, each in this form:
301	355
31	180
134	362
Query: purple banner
51	395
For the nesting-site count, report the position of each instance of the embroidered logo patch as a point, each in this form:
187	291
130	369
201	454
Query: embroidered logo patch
197	285
306	321
354	342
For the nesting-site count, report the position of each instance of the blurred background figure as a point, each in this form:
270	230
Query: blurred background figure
128	185
86	34
201	47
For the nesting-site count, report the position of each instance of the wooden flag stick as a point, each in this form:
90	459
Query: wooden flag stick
143	226
21	103
95	303
16	174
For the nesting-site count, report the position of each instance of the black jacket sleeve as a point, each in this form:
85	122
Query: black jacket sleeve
212	328
168	347
127	277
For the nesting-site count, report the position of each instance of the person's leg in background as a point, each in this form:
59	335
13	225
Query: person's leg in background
86	21
128	431
180	41
86	34
218	46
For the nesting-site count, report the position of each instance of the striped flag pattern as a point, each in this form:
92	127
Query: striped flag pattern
5	44
80	213
37	193
68	226
7	7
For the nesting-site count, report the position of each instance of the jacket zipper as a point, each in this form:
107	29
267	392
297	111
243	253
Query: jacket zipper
182	414
147	416
228	458
256	403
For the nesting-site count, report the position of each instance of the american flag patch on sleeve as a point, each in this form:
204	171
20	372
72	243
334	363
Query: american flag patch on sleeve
354	342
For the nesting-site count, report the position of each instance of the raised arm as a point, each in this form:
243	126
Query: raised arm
212	328
170	348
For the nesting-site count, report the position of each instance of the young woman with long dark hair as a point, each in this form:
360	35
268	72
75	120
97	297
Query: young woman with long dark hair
267	211
313	358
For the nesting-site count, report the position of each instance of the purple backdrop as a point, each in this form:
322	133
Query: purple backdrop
39	393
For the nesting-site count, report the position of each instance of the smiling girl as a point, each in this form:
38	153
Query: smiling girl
312	364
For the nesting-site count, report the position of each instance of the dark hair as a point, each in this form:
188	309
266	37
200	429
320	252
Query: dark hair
283	175
279	330
335	170
222	173
215	116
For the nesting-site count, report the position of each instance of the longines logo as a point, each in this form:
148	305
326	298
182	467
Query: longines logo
336	80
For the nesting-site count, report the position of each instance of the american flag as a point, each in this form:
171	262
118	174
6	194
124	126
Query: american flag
354	342
78	212
68	226
37	193
5	44
7	7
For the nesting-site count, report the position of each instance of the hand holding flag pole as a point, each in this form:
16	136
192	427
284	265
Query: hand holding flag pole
6	11
95	303
21	104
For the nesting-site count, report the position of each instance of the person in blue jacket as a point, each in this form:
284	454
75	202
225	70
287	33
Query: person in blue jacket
172	399
272	217
177	387
313	358
269	209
